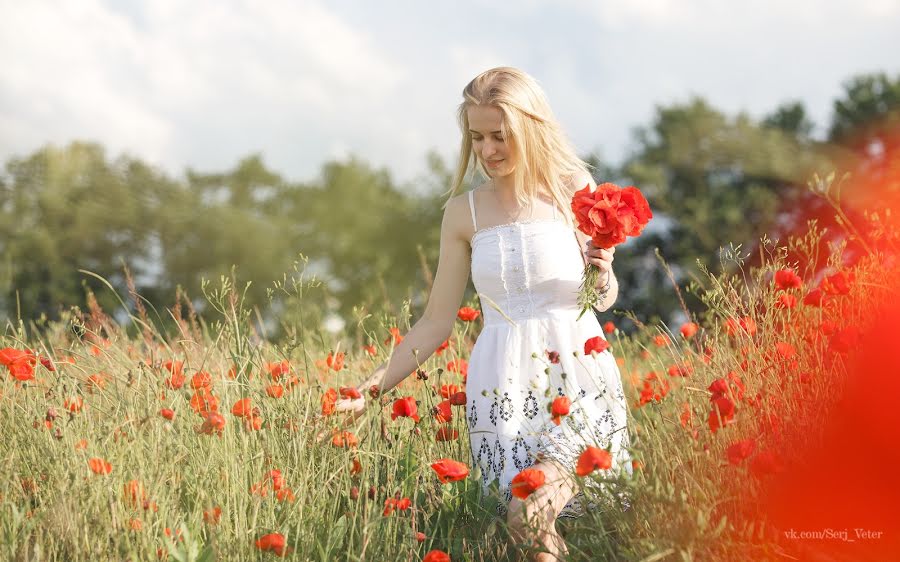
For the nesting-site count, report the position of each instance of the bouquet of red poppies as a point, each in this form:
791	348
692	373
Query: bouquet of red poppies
608	215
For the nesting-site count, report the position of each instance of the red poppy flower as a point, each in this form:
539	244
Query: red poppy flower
560	407
552	356
201	380
609	327
721	414
460	366
785	301
99	466
213	515
242	408
448	390
134	493
813	298
329	399
610	213
167	413
440	349
73	404
526	482
445	433
345	439
273	542
785	350
395	334
837	284
275	390
458	399
350	392
214	423
740	450
596	343
442	412
19	363
688	330
335	361
370	349
787	279
718	388
436	556
467	314
661	340
405	407
276	370
591	459
203	401
449	470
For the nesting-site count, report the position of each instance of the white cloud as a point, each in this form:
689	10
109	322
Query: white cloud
205	82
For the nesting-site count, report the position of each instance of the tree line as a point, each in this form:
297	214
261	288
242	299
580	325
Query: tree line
711	179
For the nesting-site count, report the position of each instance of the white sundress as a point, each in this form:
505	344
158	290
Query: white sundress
532	270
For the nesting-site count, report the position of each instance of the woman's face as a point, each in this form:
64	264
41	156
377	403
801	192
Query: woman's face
488	143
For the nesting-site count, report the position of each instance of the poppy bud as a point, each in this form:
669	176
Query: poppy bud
354	493
372	492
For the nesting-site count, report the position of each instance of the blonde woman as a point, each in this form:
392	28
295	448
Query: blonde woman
515	234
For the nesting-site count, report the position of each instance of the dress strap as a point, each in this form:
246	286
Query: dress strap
472	210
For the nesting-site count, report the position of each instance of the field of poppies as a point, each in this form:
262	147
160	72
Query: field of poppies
767	416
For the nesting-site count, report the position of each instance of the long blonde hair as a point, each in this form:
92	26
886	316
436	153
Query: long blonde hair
545	155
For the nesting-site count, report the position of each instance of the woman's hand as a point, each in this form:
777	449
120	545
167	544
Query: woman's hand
348	410
601	258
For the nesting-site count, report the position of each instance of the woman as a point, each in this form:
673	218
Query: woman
515	235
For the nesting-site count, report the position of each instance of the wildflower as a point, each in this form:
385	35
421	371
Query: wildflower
328	402
526	482
276	370
203	401
785	301
350	392
787	279
99	466
443	413
213	515
595	344
405	407
467	314
242	408
560	407
214	423
201	380
448	390
273	542
460	366
345	439
335	361
609	327
688	330
449	470
275	390
553	356
445	433
435	555
591	459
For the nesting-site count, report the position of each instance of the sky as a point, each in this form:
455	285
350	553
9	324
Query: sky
204	83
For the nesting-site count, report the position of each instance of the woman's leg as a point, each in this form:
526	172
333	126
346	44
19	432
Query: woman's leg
534	519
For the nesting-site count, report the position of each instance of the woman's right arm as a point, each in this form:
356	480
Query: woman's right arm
436	323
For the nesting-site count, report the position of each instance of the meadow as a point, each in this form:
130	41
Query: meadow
127	442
